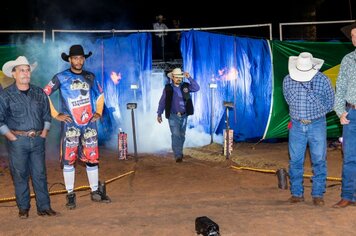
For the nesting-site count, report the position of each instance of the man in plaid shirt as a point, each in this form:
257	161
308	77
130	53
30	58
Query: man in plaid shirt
310	97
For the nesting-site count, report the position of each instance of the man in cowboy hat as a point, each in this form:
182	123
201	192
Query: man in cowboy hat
25	120
159	40
345	108
177	104
310	97
78	91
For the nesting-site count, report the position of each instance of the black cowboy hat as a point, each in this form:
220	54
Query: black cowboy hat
75	50
347	30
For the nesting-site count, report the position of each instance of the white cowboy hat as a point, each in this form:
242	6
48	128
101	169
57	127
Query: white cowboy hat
177	72
21	60
303	67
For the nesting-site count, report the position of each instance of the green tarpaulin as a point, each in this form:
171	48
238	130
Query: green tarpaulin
331	52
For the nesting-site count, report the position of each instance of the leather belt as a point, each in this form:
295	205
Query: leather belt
31	133
180	114
305	122
351	106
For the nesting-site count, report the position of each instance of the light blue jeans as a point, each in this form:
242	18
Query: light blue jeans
348	189
314	135
178	126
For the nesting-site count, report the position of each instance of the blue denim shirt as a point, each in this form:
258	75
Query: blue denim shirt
19	111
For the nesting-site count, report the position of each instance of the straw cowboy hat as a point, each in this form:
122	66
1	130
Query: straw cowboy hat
21	60
177	72
75	50
303	67
347	30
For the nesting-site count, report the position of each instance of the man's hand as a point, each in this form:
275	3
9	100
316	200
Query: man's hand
95	117
64	118
343	119
44	133
10	136
159	119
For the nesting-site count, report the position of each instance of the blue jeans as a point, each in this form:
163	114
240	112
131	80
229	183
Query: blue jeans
178	126
27	157
300	136
348	189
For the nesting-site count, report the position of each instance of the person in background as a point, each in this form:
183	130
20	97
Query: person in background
345	108
160	37
175	40
177	103
310	96
79	90
25	120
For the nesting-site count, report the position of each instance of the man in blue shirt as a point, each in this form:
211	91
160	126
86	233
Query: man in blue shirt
177	104
310	97
25	121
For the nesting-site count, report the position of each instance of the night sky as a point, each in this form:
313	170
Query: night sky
139	14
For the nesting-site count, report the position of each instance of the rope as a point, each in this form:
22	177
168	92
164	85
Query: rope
274	171
80	188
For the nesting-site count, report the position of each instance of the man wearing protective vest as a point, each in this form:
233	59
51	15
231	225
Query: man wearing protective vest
79	91
177	104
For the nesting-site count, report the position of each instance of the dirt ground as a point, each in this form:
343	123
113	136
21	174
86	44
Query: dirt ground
156	196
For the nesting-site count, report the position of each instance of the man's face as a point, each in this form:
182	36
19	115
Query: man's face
22	74
353	36
177	80
77	62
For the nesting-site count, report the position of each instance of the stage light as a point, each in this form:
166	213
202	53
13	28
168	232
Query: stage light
228	140
134	86
131	106
212	86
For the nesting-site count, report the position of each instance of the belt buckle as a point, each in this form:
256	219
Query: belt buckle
179	114
350	105
31	133
305	122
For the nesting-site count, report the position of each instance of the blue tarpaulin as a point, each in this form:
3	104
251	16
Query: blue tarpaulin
121	62
242	70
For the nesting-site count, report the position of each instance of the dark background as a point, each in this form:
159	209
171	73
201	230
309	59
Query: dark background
139	14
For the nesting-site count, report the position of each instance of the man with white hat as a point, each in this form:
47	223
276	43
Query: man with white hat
345	108
25	120
177	104
310	97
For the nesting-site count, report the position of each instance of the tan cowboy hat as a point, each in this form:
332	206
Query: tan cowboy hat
177	72
21	60
303	67
347	30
